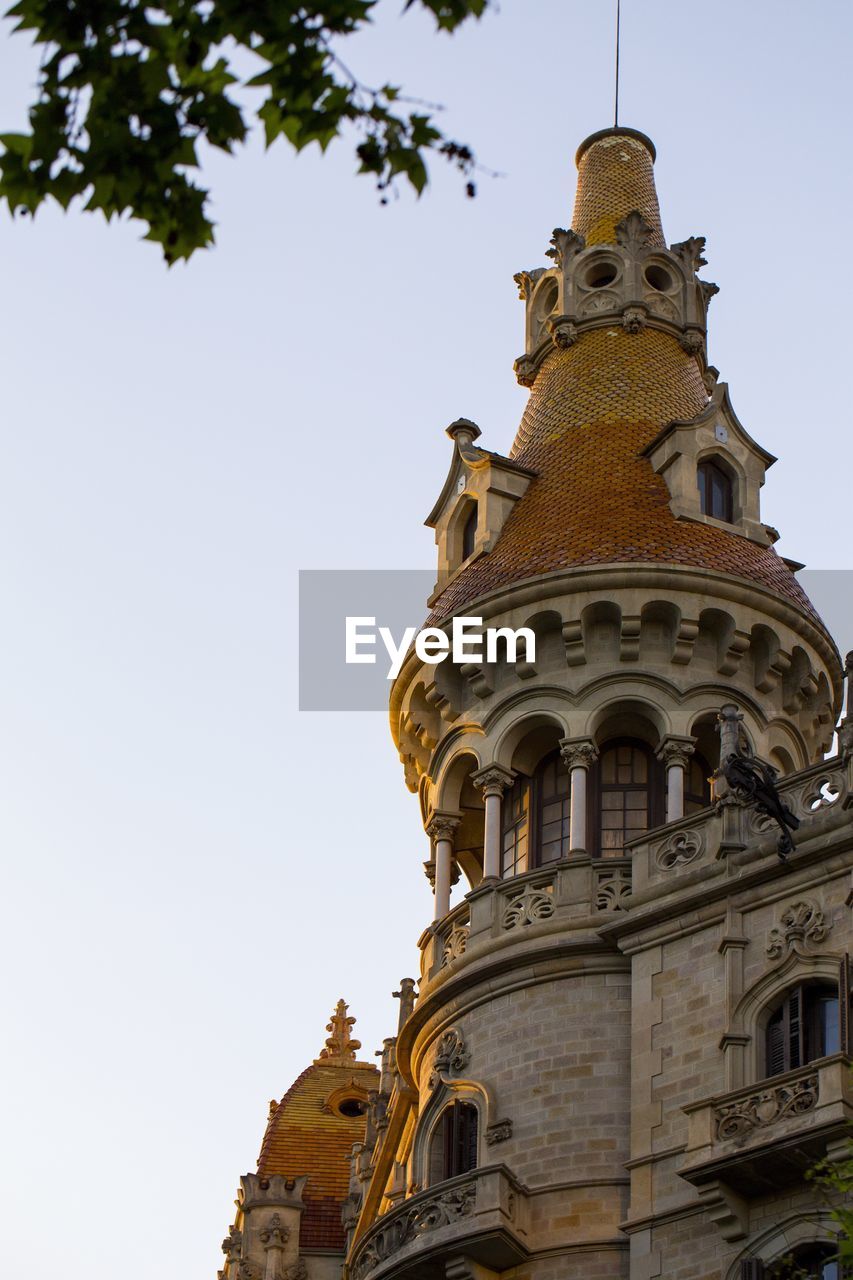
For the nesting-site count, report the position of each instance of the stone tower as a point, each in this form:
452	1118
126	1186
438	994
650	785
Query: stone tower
631	1035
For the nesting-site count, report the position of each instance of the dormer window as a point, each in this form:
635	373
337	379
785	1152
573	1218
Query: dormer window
469	532
716	492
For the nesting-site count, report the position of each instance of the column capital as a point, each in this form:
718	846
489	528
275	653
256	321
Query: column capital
493	779
441	826
676	749
578	753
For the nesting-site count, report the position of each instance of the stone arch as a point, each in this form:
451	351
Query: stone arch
768	661
456	793
629	717
812	1226
517	742
756	1005
717	642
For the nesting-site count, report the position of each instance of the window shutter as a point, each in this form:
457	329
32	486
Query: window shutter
470	1139
844	994
795	1029
752	1269
775	1048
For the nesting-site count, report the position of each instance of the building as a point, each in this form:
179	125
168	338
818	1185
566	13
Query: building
631	1037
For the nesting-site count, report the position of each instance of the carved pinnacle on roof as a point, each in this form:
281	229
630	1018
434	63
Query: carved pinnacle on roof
340	1047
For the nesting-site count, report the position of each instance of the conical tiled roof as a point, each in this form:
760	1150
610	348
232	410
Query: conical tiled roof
593	408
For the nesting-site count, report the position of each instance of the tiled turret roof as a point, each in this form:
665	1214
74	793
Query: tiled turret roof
593	408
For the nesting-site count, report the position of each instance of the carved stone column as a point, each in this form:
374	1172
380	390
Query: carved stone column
579	754
440	830
493	780
675	753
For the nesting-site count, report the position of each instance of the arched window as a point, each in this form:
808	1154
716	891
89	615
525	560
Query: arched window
806	1026
469	532
697	785
716	495
807	1262
454	1142
629	795
535	815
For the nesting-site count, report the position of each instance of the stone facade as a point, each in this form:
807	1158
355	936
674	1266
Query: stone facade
631	1036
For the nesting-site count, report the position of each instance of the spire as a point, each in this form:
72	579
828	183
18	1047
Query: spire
615	178
340	1048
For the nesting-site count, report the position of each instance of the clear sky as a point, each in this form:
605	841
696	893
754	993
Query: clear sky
194	871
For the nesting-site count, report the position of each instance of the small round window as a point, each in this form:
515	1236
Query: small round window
600	275
351	1107
659	278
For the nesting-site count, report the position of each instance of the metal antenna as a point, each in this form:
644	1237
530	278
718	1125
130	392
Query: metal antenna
618	17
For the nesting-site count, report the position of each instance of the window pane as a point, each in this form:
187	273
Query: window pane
830	1040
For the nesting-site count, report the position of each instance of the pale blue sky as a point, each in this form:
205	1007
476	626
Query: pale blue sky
195	872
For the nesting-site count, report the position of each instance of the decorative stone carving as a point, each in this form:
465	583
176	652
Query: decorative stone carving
578	753
429	871
526	281
442	827
676	751
634	233
275	1235
563	331
692	341
232	1244
613	888
690	251
339	1048
493	780
565	245
765	1107
527	908
679	849
800	925
708	290
525	371
633	319
451	1056
500	1131
404	1225
454	945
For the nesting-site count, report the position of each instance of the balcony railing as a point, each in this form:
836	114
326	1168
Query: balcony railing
820	797
572	893
482	1214
775	1130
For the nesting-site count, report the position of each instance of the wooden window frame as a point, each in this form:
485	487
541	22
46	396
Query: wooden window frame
656	789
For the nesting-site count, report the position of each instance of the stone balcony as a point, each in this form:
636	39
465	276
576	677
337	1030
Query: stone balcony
695	849
481	1215
576	894
758	1138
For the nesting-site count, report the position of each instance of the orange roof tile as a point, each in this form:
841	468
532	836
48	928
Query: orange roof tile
592	409
304	1138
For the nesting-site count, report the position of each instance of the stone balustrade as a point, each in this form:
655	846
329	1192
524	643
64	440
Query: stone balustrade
482	1215
783	1123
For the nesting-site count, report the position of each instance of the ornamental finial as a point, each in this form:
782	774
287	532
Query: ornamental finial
340	1047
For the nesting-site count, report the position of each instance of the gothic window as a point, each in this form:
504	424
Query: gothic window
805	1262
716	494
806	1026
697	785
629	795
535	815
469	532
454	1142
